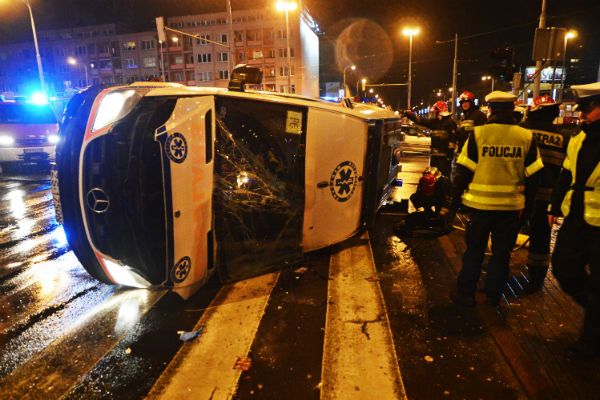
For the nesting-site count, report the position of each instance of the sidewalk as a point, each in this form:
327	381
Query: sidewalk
518	351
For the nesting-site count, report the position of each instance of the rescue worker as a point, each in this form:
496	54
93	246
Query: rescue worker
443	136
497	167
432	191
470	117
553	146
577	197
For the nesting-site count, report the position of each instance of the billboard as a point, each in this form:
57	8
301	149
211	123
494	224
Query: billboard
546	75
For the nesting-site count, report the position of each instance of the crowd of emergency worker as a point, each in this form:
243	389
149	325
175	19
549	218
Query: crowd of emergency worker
509	170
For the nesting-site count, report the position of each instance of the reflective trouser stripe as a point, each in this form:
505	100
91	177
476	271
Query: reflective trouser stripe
538	260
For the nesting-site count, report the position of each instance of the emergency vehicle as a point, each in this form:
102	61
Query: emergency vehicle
161	185
28	133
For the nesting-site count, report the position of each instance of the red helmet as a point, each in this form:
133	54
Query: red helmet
466	96
440	107
543	100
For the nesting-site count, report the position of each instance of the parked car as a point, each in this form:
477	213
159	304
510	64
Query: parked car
162	185
28	133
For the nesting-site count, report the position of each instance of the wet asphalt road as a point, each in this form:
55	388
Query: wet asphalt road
65	335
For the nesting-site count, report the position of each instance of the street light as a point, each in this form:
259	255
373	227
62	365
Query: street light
569	35
364	82
487	78
410	32
353	68
287	6
37	49
73	61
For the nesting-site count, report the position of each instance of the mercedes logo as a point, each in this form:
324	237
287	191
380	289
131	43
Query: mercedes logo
97	200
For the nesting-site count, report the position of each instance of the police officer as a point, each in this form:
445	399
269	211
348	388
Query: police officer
553	147
443	136
495	167
577	197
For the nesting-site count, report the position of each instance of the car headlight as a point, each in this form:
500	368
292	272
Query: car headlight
114	106
6	140
52	139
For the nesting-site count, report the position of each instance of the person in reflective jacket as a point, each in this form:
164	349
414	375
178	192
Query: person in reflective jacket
443	136
553	147
496	172
576	257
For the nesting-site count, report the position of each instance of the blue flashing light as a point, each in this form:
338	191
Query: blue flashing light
39	98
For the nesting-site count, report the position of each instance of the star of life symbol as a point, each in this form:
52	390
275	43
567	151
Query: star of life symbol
181	269
343	181
176	148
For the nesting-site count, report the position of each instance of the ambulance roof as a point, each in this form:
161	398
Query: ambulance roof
363	111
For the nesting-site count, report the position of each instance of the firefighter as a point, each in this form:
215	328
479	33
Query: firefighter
497	167
443	136
553	147
431	193
470	117
576	257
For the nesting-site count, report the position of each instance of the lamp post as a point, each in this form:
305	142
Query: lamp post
37	49
410	32
353	68
73	61
287	6
162	61
487	78
569	35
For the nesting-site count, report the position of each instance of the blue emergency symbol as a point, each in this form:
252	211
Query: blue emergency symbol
181	269
343	181
176	148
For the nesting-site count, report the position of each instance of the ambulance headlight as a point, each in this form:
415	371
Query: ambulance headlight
115	106
52	139
123	275
6	140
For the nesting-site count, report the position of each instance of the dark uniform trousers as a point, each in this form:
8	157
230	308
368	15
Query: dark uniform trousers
539	238
577	246
504	228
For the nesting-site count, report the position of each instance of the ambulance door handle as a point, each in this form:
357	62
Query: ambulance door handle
322	184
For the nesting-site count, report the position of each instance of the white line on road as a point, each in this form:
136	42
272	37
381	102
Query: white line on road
204	368
359	358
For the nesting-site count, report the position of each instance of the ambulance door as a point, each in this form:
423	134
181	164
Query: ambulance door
336	149
259	185
187	140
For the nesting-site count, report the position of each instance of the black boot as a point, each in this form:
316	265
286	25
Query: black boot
537	275
463	299
588	344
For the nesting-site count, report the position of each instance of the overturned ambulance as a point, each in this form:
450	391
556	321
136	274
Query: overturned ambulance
161	185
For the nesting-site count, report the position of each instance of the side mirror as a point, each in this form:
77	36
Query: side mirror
243	74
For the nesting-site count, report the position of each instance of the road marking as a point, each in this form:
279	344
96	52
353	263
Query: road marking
359	357
204	368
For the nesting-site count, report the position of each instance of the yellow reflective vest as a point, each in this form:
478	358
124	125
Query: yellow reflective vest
499	172
591	195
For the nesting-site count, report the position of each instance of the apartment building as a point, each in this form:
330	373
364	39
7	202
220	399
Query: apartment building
108	54
74	58
259	39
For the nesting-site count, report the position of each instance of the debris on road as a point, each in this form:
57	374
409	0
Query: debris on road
243	363
187	336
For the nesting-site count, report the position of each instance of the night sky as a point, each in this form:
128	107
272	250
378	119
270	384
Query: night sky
367	32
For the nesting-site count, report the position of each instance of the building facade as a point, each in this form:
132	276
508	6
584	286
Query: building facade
259	39
107	54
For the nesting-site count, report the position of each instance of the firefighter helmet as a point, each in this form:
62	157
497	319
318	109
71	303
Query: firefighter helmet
440	107
543	101
466	96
